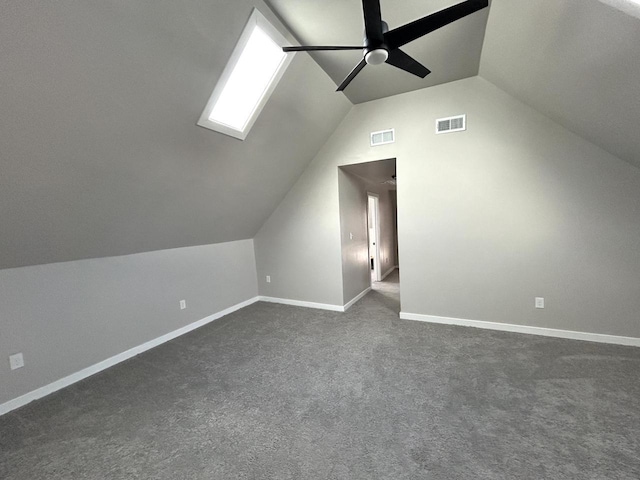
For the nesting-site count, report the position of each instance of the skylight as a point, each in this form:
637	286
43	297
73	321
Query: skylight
630	7
250	78
256	65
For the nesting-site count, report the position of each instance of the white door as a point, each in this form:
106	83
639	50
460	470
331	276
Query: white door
374	236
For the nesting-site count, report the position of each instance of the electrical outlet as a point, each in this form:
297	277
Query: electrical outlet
539	302
268	278
16	361
183	304
351	236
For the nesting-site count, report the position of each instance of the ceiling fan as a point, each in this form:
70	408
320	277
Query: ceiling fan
382	45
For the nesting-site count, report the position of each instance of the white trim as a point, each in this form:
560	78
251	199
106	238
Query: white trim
110	362
388	272
376	231
256	18
301	303
320	306
506	327
350	303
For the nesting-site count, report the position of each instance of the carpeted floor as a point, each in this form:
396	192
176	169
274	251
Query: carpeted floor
274	391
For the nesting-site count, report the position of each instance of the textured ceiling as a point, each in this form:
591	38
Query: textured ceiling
576	61
451	53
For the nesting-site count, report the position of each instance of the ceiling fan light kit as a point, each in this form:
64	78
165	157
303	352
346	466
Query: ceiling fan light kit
382	45
376	57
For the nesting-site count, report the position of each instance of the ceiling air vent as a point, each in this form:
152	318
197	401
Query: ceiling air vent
383	137
451	124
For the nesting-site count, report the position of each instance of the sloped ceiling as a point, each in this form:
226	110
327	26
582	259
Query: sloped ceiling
100	154
451	53
576	61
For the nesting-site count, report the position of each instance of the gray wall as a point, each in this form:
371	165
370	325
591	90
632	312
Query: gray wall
100	153
393	198
299	245
68	316
356	276
513	208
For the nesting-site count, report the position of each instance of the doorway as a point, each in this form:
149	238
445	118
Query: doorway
368	227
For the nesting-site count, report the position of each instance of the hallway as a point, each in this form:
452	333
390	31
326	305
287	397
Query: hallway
387	292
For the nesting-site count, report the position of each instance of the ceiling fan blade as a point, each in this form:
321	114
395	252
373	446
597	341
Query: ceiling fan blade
401	60
373	20
356	70
315	49
407	33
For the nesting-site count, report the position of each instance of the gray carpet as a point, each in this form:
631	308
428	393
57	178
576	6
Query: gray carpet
274	391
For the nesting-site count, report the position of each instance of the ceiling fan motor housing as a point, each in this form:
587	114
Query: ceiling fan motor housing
376	53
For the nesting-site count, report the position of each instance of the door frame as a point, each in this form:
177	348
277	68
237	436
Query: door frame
376	230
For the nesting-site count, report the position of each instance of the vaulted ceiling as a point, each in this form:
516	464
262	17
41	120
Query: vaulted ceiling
451	53
100	153
575	61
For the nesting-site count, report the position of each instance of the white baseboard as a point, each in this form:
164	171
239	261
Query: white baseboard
110	362
350	303
388	272
506	327
320	306
301	303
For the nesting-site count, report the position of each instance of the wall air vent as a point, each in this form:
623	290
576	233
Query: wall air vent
383	137
451	124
